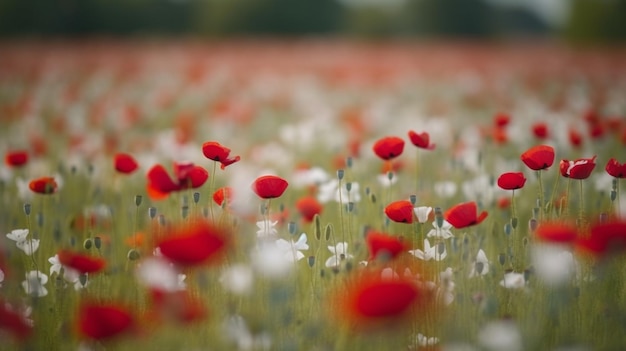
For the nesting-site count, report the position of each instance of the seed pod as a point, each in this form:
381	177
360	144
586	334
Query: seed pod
328	231
311	261
87	243
196	197
340	174
514	222
317	230
97	242
27	209
138	200
133	255
152	212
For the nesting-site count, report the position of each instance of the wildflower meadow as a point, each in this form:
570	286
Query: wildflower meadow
276	195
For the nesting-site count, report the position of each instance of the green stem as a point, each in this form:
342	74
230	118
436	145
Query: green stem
541	204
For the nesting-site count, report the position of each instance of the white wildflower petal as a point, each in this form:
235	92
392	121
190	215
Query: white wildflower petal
500	335
269	260
266	228
237	279
34	284
513	280
157	273
18	235
339	253
29	246
553	264
422	213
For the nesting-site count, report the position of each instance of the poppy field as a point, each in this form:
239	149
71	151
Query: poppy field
312	195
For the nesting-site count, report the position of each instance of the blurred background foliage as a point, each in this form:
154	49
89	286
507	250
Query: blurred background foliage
584	20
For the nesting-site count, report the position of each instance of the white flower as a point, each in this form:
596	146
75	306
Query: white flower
385	181
422	213
445	189
237	279
500	336
291	250
69	274
553	264
29	246
307	177
238	332
18	235
34	284
437	252
480	265
424	341
443	232
266	228
157	273
513	280
330	191
340	253
269	260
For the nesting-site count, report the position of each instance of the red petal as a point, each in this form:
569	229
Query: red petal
556	232
464	215
160	181
13	321
400	211
197	177
43	185
193	245
269	186
384	298
221	194
308	207
125	163
538	157
81	263
388	147
103	321
215	151
511	180
16	158
383	243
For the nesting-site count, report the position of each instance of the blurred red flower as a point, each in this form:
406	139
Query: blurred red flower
187	176
538	157
388	148
221	194
578	169
43	185
370	302
421	140
178	306
616	169
575	138
80	262
102	321
16	158
125	163
501	120
511	180
464	215
400	211
540	130
269	186
381	243
604	239
13	322
308	207
218	153
556	232
194	244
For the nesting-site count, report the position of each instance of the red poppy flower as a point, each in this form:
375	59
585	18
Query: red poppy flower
540	130
269	186
218	153
43	185
223	193
511	180
604	239
187	176
16	158
308	207
421	140
575	138
371	302
13	322
195	244
178	306
388	148
578	169
125	163
103	321
80	262
501	120
538	157
464	215
616	169
556	232
400	211
381	243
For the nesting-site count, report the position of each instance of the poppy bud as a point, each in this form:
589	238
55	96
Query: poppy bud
152	212
133	255
97	242
340	174
138	200
311	261
413	199
317	230
291	227
196	197
514	222
184	211
349	162
507	229
27	209
502	259
87	244
328	232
